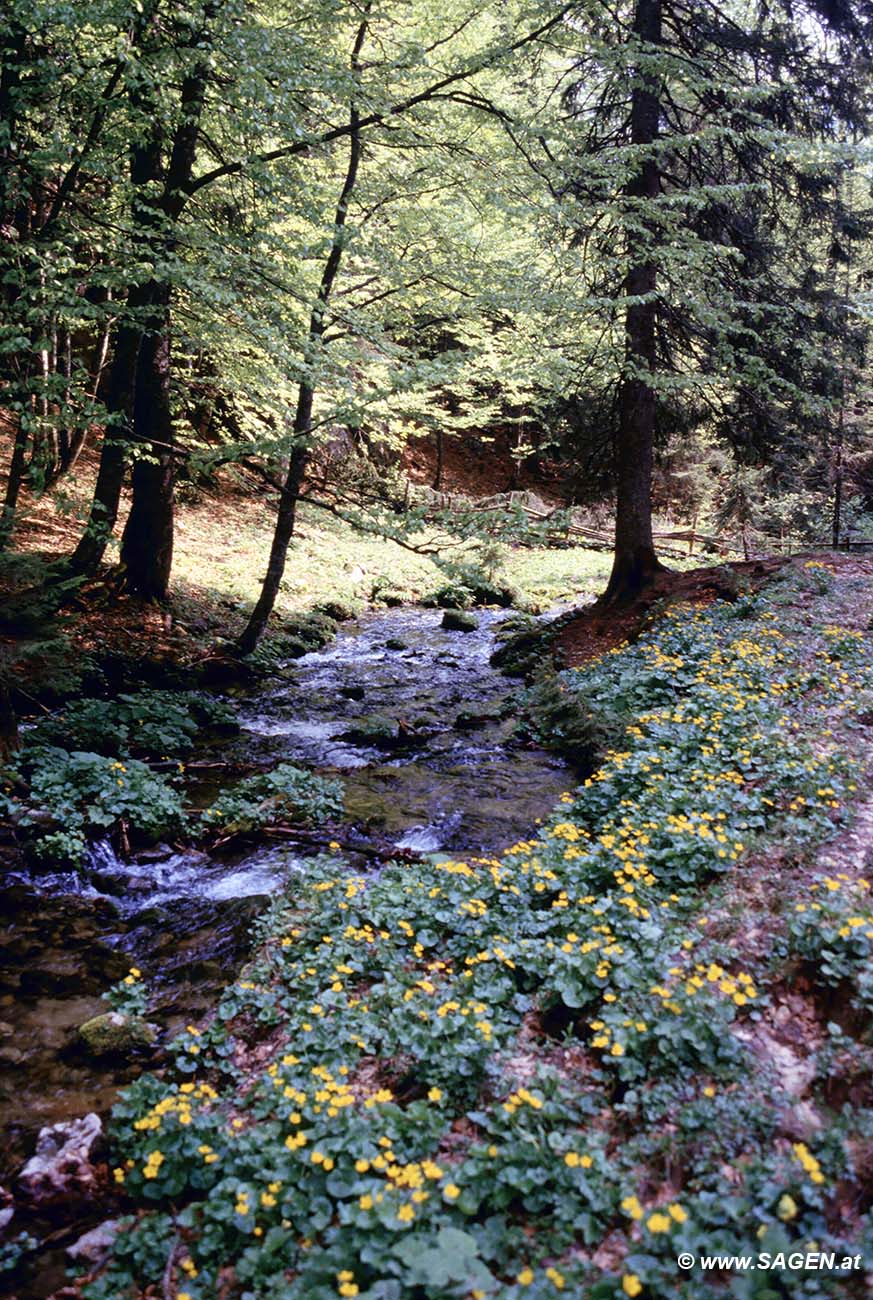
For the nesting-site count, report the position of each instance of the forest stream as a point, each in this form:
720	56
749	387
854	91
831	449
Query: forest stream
461	782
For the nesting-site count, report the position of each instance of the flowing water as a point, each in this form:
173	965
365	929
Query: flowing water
445	774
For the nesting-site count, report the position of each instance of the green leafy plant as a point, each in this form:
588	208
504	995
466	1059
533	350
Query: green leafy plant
73	796
287	793
130	995
832	927
154	723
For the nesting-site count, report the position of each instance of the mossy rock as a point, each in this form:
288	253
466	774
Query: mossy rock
478	591
339	611
451	597
569	723
458	620
470	719
299	634
396	643
290	646
394	597
521	653
113	1034
526	645
375	729
311	630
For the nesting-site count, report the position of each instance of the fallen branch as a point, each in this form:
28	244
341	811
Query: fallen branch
325	839
167	1287
387	853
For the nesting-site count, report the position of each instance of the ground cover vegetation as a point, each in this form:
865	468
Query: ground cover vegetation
542	1073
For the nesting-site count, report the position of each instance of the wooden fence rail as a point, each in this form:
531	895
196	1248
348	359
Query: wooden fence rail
756	542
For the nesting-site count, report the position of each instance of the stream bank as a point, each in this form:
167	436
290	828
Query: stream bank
421	729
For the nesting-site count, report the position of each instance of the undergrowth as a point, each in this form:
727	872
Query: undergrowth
104	767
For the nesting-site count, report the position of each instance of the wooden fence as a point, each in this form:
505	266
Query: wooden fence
755	543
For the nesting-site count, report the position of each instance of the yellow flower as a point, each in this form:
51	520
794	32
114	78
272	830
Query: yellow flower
676	1213
451	1192
631	1284
366	1202
787	1208
406	1214
435	1094
658	1223
556	1278
525	1277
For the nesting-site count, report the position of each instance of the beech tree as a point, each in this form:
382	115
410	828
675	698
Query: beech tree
167	139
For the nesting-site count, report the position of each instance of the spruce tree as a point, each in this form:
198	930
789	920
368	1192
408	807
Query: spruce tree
698	126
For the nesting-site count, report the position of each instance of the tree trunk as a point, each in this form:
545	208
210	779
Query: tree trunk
635	562
110	475
438	475
837	521
145	169
64	367
14	481
284	530
303	415
147	542
8	720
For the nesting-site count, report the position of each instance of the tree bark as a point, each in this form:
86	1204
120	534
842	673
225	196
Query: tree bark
110	475
14	480
283	532
635	562
145	170
147	542
438	474
8	720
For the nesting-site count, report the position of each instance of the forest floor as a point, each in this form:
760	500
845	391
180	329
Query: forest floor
641	1032
223	537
